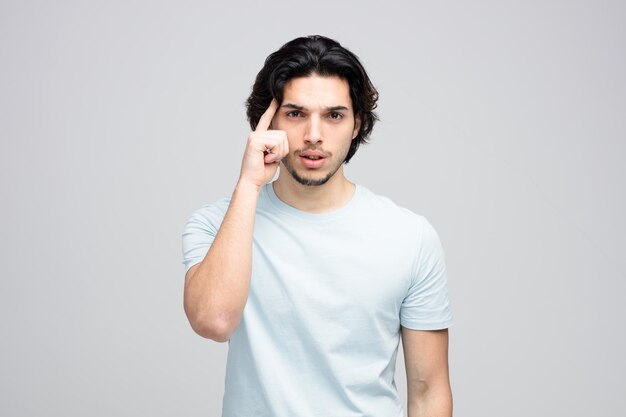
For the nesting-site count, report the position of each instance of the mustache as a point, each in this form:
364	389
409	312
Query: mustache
325	153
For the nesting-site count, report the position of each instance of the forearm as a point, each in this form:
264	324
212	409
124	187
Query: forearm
215	295
430	401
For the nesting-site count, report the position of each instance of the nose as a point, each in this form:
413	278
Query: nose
313	133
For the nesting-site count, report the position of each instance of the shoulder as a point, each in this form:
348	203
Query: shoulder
210	214
383	206
401	219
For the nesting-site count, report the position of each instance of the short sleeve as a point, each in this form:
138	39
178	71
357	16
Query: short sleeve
200	230
426	306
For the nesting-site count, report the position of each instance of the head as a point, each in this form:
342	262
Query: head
321	56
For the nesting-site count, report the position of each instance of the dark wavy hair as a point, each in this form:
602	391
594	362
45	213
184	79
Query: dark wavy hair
319	55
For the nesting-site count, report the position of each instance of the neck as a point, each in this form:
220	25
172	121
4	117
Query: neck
334	194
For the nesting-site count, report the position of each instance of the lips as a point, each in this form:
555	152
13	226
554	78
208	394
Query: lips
312	159
313	154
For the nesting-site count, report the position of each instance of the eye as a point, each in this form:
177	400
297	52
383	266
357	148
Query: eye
336	116
294	113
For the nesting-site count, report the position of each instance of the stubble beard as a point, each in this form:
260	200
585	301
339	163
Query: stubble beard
309	181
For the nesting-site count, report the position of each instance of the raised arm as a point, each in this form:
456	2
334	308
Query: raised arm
428	382
216	289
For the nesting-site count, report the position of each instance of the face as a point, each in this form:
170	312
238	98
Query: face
317	115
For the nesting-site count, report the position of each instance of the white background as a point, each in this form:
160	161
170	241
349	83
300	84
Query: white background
502	122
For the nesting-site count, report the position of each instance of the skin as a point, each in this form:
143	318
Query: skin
316	115
426	363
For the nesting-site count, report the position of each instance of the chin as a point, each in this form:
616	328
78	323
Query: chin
311	181
308	180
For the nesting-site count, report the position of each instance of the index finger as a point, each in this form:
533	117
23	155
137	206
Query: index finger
266	119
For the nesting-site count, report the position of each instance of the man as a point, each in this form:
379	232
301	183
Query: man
311	278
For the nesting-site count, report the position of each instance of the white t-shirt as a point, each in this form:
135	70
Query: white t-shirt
328	293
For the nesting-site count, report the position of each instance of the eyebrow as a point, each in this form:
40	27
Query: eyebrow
298	107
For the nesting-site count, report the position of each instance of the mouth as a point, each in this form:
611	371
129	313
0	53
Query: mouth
312	159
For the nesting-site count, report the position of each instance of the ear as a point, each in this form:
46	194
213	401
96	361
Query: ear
357	126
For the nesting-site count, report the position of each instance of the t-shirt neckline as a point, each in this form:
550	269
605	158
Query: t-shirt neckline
279	204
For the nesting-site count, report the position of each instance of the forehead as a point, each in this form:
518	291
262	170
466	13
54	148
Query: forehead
317	91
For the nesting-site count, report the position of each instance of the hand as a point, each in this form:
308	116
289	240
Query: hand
264	150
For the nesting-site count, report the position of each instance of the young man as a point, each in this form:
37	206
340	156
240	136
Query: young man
311	278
